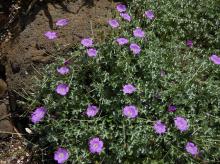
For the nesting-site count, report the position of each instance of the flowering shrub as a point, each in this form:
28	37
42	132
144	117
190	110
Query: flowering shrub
145	94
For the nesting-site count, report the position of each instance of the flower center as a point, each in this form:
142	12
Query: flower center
96	145
63	90
61	155
129	113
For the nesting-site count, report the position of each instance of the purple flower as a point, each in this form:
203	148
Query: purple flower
62	22
171	108
66	62
122	41
130	111
38	114
126	16
181	123
149	14
50	35
128	89
92	52
135	48
121	8
191	148
113	23
87	42
63	70
62	89
138	32
92	110
95	145
189	43
215	59
61	155
159	127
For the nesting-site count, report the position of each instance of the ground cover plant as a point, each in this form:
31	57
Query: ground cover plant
149	92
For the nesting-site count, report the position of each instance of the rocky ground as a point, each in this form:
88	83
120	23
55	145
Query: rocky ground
24	52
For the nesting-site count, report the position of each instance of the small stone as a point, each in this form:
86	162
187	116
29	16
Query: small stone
3	109
28	130
15	68
6	128
3	87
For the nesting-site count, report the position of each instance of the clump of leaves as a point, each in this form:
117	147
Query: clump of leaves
165	72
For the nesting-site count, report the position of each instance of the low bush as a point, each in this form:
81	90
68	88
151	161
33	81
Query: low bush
149	93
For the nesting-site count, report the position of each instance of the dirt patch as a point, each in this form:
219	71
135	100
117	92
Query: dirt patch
6	127
14	151
30	47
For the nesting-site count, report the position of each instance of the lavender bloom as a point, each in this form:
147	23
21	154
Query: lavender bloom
62	89
62	22
92	110
38	114
171	108
149	14
139	33
63	70
122	41
191	148
87	42
50	35
121	8
135	48
129	89
92	52
95	145
113	23
159	127
126	16
130	111
215	59
61	155
181	123
189	43
66	62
